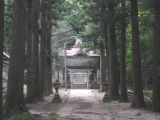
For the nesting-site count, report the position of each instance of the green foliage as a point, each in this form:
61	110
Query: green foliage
57	9
8	24
90	31
148	93
75	14
93	31
146	20
4	101
147	56
129	61
62	33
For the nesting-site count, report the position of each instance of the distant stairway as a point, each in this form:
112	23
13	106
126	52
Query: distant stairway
79	86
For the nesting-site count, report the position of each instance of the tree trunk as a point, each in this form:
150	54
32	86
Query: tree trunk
102	68
30	61
107	57
123	96
105	30
15	103
43	54
156	59
49	36
114	91
138	99
1	54
49	76
35	31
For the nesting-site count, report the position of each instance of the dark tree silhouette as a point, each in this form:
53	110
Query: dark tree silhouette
30	57
138	99
123	96
1	54
49	36
102	67
156	59
35	32
114	91
43	51
15	103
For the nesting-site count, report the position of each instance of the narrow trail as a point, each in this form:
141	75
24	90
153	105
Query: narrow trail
82	105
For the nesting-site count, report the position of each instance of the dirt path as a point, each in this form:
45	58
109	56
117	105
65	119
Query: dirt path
44	110
82	105
122	111
87	105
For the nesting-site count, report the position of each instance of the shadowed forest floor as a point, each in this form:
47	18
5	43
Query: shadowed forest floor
87	105
45	110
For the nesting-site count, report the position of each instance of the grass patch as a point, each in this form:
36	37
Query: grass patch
4	101
148	93
23	116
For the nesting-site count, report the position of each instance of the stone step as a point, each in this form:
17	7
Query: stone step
79	86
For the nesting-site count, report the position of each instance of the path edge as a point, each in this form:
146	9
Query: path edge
53	117
112	112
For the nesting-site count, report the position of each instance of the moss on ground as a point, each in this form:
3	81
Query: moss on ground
23	116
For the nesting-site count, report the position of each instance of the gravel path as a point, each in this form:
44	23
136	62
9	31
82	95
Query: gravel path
82	105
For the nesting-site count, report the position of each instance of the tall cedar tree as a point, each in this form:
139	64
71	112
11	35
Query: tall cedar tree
138	98
156	59
114	91
102	48
30	61
49	36
43	52
1	54
105	30
102	67
123	96
35	34
15	103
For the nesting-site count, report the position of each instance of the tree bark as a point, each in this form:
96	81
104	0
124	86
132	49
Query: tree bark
49	76
114	90
43	54
107	57
102	68
138	98
1	54
105	30
15	103
123	95
49	37
30	61
35	32
156	59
